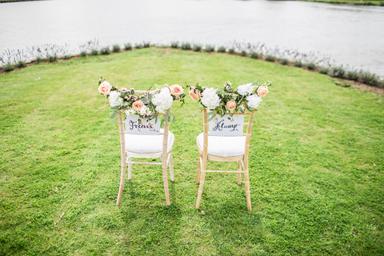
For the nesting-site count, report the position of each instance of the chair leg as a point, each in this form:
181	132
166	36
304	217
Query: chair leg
201	184
198	170
165	181
171	168
247	187
239	176
130	165
121	186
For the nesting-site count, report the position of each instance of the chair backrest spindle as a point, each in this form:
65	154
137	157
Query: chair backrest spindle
248	135
165	135
122	138
205	129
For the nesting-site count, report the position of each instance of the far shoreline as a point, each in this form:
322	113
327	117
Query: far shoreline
348	2
336	2
15	1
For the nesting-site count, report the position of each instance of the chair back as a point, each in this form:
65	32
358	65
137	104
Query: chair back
237	124
134	124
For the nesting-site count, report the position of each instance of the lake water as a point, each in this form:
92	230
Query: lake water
351	35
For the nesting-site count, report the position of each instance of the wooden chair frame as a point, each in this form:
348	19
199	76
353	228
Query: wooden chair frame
125	160
242	161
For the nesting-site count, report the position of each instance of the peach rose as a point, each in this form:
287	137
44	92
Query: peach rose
105	88
231	105
194	94
262	91
176	90
137	105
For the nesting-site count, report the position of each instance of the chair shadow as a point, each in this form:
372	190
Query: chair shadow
234	229
150	225
131	188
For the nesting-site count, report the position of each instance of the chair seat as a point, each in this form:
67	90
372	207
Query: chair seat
147	144
223	146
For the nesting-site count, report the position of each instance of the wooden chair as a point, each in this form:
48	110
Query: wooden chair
224	149
145	146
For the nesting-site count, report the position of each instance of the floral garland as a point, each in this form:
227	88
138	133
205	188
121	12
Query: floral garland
147	105
247	97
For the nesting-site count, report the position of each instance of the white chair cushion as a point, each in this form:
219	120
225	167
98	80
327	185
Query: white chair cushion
224	146
147	144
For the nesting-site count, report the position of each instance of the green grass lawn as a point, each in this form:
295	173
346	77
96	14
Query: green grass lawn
353	2
316	164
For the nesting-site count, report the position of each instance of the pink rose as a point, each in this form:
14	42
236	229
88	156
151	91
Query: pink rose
231	105
105	88
176	90
194	94
262	91
137	105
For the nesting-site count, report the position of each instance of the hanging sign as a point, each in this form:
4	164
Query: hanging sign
135	124
226	125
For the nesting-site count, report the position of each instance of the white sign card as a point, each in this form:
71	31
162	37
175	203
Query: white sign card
226	125
135	124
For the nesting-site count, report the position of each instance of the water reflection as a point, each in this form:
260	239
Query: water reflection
349	34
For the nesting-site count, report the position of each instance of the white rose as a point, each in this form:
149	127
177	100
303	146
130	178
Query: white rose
129	112
209	98
162	100
114	99
245	89
253	101
144	111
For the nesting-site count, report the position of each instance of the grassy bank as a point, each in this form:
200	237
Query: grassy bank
13	60
316	164
352	2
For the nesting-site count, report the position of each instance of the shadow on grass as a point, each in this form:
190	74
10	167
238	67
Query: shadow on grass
132	190
151	227
235	231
